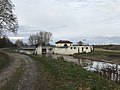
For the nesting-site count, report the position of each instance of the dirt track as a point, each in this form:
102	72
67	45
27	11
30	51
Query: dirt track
28	79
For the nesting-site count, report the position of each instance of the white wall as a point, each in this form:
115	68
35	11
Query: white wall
38	50
72	50
49	51
62	44
64	51
26	51
69	50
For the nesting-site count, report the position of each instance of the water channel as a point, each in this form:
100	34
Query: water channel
107	70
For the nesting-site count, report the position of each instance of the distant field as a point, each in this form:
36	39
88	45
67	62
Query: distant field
4	60
101	49
63	75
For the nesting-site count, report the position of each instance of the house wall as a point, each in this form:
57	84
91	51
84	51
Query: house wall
69	50
65	51
62	44
49	50
39	50
86	49
72	50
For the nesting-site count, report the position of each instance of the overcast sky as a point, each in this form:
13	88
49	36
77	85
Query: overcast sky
69	18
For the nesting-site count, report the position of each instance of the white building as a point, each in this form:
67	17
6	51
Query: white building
44	50
67	47
64	47
27	49
63	43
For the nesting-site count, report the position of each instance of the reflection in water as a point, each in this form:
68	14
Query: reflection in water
108	70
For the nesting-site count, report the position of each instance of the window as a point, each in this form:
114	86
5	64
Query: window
86	47
65	45
82	48
74	47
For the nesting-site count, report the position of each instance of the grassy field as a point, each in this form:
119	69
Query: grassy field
101	49
101	55
62	75
4	60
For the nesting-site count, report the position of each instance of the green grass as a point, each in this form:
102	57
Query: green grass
101	49
69	76
4	60
100	55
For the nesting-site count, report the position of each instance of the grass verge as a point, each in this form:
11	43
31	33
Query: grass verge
69	76
4	60
113	57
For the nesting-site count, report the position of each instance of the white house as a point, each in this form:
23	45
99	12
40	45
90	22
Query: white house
63	43
64	47
67	47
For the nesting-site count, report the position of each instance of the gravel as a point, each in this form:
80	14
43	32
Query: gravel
28	79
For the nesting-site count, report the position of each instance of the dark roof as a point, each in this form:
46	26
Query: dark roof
63	41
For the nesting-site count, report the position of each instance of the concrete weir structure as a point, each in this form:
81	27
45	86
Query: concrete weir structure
27	49
63	47
44	50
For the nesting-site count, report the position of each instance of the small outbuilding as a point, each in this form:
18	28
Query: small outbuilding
27	49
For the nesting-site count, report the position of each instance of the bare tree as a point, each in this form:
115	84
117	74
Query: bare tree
42	38
33	39
8	21
5	42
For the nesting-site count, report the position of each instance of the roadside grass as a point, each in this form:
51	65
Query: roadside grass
100	56
4	60
43	83
65	75
11	84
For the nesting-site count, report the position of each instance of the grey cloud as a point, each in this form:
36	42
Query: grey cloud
69	18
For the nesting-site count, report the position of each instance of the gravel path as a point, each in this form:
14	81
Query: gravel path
6	73
28	79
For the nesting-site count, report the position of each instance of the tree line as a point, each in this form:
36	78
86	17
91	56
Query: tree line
5	42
